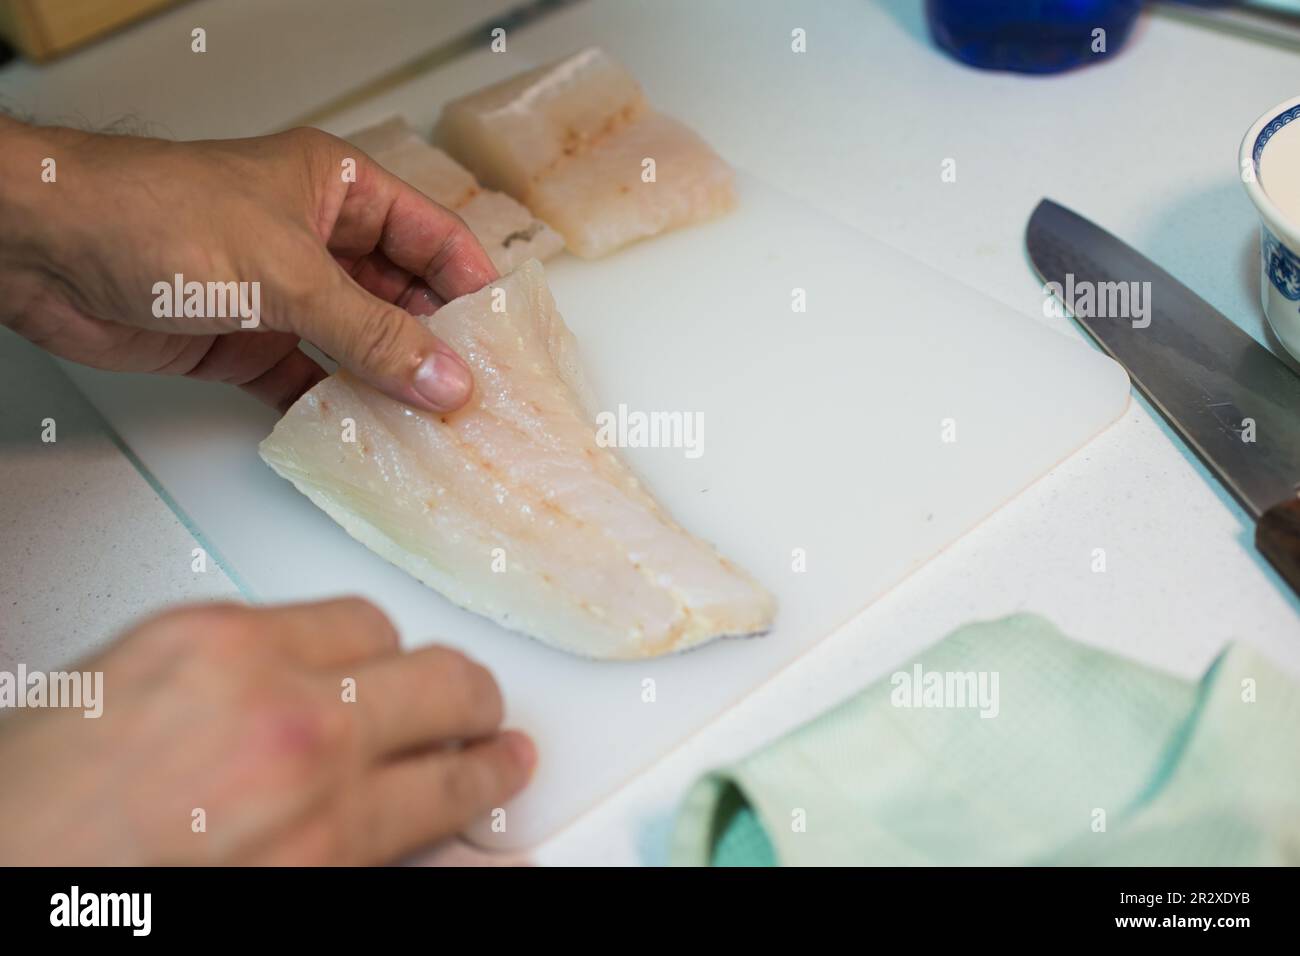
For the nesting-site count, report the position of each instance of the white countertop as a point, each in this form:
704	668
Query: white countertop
1144	145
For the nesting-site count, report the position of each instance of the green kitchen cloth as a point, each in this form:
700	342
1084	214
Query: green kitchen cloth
1008	743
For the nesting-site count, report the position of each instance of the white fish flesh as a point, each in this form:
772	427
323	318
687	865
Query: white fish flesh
510	507
572	141
508	231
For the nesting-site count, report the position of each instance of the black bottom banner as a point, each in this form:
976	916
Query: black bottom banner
332	906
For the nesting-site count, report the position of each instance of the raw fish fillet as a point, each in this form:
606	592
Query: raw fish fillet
568	141
510	507
509	232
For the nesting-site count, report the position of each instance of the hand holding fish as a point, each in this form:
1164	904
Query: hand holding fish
301	734
215	259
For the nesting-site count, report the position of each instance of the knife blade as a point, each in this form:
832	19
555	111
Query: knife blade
1235	403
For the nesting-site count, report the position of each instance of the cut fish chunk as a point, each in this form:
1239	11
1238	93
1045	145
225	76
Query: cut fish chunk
511	507
571	142
508	231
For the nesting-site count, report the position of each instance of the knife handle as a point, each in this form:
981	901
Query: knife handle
1277	536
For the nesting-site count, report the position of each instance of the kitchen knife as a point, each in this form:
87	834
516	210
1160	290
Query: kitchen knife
1234	402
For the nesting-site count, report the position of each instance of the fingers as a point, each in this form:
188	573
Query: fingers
381	343
398	245
332	633
286	381
435	245
413	802
267	365
416	234
417	699
334	779
381	278
419	299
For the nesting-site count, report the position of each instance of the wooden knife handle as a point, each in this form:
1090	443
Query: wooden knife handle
1277	536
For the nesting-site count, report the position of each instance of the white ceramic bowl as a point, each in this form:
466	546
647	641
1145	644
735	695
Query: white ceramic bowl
1279	237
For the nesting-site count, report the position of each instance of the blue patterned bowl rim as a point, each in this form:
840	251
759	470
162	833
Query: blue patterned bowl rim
1271	128
1251	151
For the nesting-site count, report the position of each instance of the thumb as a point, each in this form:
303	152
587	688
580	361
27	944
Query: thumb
383	345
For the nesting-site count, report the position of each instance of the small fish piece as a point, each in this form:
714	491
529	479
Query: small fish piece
511	507
508	231
572	141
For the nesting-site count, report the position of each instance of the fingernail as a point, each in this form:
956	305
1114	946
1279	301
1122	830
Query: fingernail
522	748
444	381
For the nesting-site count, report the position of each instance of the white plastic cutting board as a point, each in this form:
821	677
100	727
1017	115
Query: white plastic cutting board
823	445
823	435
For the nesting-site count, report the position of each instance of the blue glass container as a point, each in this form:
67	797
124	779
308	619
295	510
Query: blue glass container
1030	36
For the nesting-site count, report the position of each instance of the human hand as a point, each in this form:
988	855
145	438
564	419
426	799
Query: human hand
339	264
240	713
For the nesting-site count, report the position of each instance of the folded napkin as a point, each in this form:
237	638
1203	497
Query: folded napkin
1008	743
